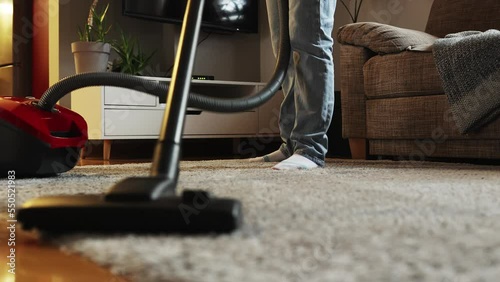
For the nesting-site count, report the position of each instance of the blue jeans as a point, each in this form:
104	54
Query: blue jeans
307	108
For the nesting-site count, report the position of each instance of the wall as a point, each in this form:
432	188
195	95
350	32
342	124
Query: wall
403	13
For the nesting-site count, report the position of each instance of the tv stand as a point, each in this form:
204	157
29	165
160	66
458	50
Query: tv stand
119	114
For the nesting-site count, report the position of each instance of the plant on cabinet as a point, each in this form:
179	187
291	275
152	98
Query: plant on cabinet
91	52
131	59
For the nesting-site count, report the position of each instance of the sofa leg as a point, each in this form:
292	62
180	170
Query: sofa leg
358	148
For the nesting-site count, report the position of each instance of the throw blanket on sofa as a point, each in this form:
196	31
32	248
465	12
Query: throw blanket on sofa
469	65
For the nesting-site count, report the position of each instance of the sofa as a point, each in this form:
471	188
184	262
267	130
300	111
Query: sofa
393	96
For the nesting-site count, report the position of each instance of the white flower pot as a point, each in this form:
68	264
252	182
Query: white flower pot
90	56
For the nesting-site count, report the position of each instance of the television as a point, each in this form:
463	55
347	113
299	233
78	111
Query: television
218	15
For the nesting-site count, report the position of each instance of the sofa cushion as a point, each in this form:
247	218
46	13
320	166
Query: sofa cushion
383	38
401	75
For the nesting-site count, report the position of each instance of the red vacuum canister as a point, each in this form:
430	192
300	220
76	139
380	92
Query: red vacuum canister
34	142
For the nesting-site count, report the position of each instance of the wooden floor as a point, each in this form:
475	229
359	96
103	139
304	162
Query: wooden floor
37	261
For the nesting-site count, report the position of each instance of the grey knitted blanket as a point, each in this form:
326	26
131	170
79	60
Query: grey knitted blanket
469	65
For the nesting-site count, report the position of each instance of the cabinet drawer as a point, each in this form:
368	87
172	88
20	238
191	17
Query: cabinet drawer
137	122
132	122
127	97
209	123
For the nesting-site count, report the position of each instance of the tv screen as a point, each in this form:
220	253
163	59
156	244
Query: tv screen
218	15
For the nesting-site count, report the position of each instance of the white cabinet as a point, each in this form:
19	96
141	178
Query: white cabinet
116	113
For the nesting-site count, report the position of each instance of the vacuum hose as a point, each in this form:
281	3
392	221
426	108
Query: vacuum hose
71	83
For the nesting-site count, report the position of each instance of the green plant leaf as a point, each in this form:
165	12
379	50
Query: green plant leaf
96	28
132	59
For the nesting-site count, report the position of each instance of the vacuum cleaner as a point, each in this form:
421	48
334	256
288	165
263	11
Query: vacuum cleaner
40	138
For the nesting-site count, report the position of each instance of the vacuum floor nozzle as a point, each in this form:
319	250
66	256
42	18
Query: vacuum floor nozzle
191	213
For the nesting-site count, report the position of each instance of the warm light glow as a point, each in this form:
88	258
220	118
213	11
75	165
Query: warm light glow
7	277
6	9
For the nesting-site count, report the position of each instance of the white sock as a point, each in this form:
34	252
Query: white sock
296	162
276	156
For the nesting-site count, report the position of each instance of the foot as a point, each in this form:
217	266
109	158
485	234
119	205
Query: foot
276	156
296	162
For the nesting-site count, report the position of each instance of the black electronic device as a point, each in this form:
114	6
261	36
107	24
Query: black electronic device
224	16
203	77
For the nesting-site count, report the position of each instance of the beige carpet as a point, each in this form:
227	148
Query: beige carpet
351	221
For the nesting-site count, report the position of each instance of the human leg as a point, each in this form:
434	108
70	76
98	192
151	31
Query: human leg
311	27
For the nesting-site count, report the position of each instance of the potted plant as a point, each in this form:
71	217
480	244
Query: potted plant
92	52
131	59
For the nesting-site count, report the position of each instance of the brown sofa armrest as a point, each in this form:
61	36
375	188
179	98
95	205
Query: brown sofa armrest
384	39
352	90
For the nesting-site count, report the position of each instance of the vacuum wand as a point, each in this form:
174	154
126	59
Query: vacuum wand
165	167
166	156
